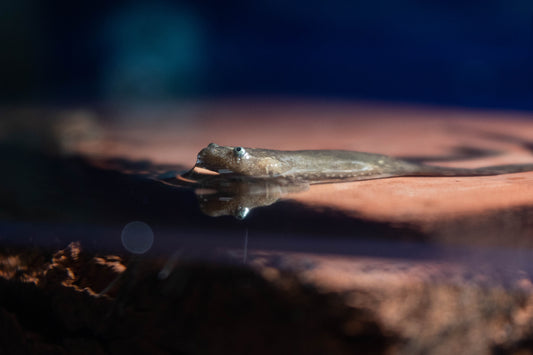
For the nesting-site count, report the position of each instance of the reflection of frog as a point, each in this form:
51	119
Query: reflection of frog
235	195
239	196
320	166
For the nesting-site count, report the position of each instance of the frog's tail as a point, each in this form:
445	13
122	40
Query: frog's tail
428	170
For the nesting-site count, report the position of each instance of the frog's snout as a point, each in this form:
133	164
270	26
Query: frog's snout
200	158
211	157
205	153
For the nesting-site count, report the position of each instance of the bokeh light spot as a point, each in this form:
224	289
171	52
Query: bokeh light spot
137	237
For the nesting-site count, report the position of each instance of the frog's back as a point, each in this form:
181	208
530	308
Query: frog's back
330	165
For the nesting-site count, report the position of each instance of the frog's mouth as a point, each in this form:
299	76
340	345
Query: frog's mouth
203	160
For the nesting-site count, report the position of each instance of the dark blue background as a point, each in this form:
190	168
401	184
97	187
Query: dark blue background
469	53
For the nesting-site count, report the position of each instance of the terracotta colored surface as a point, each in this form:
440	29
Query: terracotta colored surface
175	137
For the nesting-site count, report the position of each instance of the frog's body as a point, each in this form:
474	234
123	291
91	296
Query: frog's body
319	166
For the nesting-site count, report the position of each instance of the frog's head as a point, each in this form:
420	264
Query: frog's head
239	160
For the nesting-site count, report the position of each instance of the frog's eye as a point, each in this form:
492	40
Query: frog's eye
239	152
